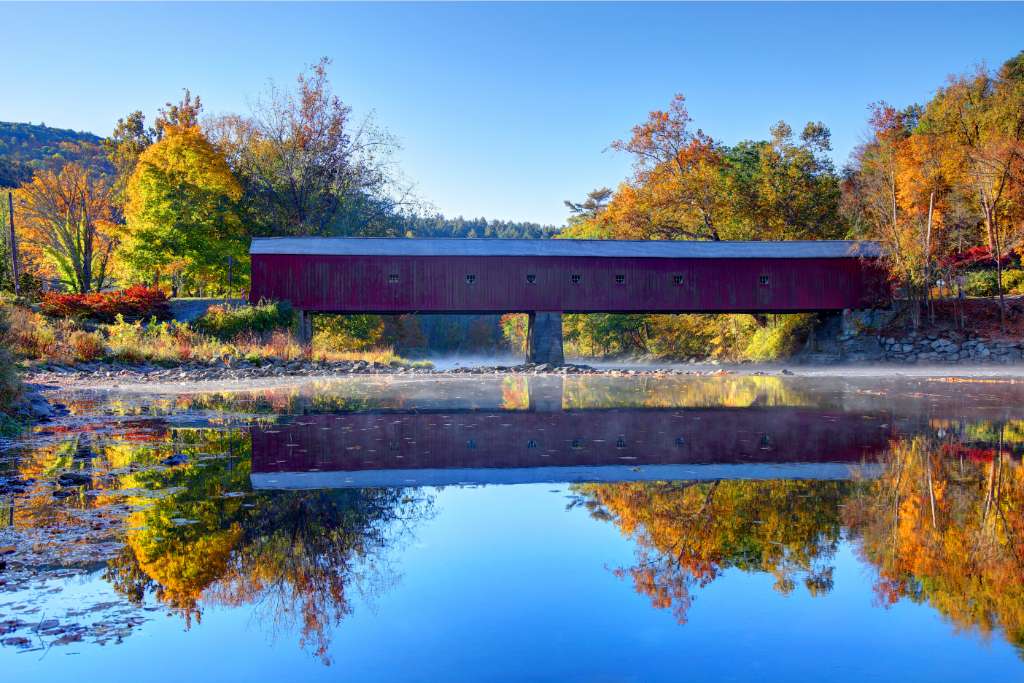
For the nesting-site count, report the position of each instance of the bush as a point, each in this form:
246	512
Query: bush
981	283
1013	281
134	303
87	346
161	342
974	257
227	322
31	335
10	385
780	338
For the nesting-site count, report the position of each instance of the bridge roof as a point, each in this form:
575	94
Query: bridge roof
382	246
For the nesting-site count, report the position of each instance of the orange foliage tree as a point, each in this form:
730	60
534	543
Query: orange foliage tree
68	228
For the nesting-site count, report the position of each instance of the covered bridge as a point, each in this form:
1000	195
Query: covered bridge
545	278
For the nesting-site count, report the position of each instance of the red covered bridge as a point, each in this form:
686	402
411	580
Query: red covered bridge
548	277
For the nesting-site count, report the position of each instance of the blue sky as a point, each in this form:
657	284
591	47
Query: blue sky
504	110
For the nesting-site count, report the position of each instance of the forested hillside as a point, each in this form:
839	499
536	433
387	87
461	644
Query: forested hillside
28	147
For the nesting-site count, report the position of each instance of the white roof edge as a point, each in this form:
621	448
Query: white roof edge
385	246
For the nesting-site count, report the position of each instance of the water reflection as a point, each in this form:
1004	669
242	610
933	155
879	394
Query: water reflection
299	504
451	447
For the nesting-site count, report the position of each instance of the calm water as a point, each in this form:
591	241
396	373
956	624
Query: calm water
521	529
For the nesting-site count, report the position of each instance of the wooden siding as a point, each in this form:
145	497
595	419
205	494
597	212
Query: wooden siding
405	284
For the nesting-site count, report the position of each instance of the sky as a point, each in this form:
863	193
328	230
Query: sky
503	110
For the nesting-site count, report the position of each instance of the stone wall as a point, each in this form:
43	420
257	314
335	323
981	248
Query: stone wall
949	349
856	337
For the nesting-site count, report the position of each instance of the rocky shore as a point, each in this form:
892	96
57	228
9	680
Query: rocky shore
102	373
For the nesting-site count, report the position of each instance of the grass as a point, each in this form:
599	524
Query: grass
35	337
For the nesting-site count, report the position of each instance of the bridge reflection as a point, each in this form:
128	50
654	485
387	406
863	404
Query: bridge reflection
410	448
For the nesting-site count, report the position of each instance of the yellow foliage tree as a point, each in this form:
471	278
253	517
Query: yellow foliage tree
182	210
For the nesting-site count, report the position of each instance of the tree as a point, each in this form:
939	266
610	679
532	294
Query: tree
678	190
124	146
593	205
980	119
307	169
184	114
182	209
785	188
875	197
67	226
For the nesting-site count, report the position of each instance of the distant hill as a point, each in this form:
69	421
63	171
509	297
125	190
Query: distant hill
25	147
441	226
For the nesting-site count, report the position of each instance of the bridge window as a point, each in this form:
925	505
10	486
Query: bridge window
677	279
577	443
763	280
575	278
620	279
531	279
470	279
393	278
680	441
471	444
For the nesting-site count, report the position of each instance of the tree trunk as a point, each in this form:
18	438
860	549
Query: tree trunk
998	253
928	259
13	245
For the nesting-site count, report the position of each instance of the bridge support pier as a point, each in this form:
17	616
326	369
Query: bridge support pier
544	338
305	327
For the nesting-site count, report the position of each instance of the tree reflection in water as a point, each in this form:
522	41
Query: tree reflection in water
207	539
943	525
687	534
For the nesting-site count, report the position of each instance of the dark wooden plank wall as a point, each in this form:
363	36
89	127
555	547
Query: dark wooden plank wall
400	284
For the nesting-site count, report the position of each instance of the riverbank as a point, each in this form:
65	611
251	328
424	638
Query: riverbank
198	377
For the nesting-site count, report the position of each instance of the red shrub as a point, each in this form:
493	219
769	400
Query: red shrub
135	302
975	256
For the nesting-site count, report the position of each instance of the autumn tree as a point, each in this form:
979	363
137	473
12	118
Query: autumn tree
980	119
307	168
875	197
785	188
182	114
67	226
125	145
182	210
678	190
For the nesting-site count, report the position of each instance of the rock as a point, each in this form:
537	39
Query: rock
37	407
72	479
176	459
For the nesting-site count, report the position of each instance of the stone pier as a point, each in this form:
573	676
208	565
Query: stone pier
305	327
544	338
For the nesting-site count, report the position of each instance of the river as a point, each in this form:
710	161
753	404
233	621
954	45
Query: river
521	528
